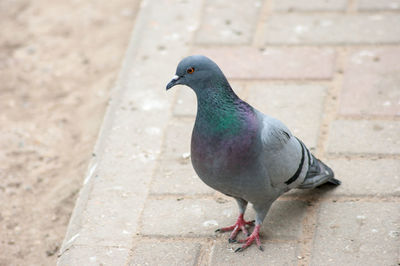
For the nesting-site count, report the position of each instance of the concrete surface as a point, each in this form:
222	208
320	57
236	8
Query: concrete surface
333	64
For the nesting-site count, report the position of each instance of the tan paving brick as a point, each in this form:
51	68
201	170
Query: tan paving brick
165	253
310	5
332	29
298	106
366	176
357	233
112	212
185	217
86	255
186	103
364	136
231	22
284	220
273	63
176	145
201	217
371	82
372	5
178	178
274	254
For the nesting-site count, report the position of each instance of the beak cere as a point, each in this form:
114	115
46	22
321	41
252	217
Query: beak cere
173	82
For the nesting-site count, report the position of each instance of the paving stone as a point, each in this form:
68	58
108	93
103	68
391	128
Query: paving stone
291	105
275	253
373	5
364	136
130	146
88	255
310	5
357	233
105	220
367	177
284	220
178	178
229	22
185	217
199	217
176	145
273	63
332	29
371	82
165	253
186	103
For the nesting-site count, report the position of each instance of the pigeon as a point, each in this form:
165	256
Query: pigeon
241	152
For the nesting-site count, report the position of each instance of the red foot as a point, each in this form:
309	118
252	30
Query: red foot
248	241
239	225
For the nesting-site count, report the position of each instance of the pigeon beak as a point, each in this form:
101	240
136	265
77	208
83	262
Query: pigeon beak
173	82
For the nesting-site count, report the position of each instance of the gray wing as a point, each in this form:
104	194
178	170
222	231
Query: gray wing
284	156
288	161
318	173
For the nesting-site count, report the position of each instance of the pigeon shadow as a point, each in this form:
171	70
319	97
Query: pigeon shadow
313	194
287	214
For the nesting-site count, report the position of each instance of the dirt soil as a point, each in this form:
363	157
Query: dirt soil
58	61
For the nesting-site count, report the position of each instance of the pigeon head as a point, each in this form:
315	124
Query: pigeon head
198	72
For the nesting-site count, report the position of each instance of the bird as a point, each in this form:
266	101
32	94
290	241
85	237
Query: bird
242	152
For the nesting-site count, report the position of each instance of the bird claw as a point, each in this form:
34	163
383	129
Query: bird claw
230	240
240	225
238	249
249	240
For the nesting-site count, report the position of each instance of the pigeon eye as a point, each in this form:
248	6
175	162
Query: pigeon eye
190	70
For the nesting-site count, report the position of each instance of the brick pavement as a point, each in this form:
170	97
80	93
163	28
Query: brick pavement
329	69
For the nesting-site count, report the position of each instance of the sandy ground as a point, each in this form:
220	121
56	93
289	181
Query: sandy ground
58	60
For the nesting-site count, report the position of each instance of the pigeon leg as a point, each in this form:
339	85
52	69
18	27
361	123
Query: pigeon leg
249	240
261	212
239	225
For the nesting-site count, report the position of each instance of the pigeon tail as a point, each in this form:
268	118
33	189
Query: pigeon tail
318	174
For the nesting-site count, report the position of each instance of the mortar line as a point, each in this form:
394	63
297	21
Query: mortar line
297	45
181	196
331	100
285	81
310	12
329	109
246	91
368	117
320	82
204	256
209	196
139	228
343	198
285	197
202	239
347	11
192	40
360	156
212	249
309	227
352	7
265	11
